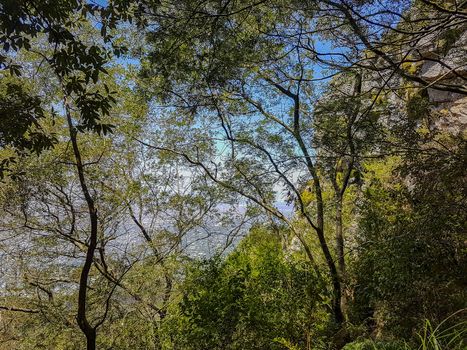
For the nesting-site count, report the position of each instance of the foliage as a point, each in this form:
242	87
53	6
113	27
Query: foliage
378	345
76	62
429	338
411	235
249	301
216	174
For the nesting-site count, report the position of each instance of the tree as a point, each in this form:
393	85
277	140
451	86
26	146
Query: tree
28	26
149	212
331	130
265	146
201	62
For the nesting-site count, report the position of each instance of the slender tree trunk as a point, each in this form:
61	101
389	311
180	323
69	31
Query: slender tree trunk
319	227
340	250
335	278
339	237
91	340
88	330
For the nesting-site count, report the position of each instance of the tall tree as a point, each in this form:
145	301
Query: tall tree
28	26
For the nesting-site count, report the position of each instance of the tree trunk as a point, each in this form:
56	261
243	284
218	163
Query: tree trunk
335	277
339	237
91	340
319	227
340	251
81	317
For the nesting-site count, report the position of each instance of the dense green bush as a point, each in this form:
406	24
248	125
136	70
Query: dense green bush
251	300
410	265
368	344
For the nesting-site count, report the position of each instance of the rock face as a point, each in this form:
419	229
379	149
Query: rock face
448	68
438	58
454	62
452	116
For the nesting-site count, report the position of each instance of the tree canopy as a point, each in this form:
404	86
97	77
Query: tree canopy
233	174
